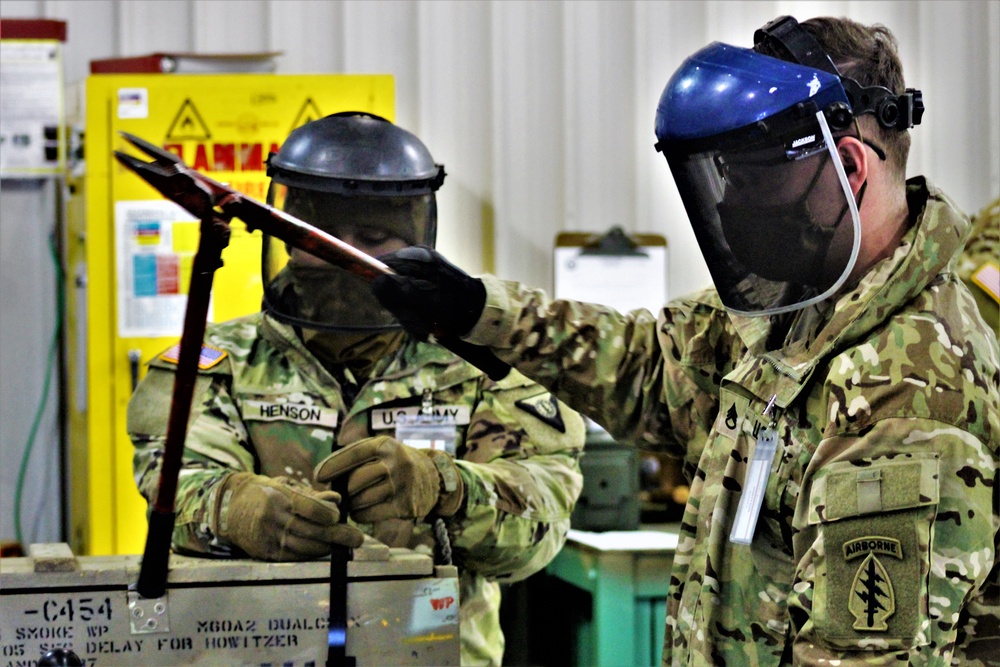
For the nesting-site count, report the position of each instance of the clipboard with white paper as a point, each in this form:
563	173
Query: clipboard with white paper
613	269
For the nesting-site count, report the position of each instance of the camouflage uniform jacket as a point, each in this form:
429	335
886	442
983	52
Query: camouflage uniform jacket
877	539
268	406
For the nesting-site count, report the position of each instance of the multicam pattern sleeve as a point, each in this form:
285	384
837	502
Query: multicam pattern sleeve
904	570
653	382
216	445
522	479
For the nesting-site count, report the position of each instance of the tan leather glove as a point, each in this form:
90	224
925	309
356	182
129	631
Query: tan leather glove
280	519
388	480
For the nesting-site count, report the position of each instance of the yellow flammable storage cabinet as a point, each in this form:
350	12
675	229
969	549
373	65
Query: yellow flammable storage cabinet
128	251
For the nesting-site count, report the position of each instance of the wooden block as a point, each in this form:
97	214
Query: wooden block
371	550
445	571
53	557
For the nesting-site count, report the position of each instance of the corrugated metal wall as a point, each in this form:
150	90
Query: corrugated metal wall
542	112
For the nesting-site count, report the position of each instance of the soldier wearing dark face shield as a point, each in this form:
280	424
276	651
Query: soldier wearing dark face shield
833	397
324	387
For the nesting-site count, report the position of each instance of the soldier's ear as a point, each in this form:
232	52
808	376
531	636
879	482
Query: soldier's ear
854	157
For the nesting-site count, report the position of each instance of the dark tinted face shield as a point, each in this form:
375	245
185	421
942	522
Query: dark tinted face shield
773	213
303	290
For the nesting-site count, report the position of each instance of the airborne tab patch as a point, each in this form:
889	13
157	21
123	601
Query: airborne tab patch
546	408
879	545
207	358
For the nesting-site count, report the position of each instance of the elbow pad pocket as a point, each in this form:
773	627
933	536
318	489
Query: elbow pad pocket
874	520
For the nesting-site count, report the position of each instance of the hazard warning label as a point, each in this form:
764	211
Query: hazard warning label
188	125
307	114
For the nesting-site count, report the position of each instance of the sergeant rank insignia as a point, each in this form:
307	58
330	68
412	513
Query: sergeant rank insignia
546	408
872	599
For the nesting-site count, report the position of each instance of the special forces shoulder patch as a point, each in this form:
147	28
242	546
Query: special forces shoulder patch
875	518
874	579
207	358
546	408
872	599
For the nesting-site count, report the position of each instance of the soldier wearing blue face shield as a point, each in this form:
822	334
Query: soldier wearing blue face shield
765	153
769	200
833	397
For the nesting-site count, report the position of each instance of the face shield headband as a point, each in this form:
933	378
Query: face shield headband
774	215
898	112
305	292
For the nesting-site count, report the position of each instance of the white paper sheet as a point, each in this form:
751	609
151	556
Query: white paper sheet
621	282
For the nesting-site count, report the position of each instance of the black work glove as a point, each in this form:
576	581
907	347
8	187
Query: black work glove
429	294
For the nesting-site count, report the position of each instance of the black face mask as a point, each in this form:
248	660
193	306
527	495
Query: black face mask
782	243
332	296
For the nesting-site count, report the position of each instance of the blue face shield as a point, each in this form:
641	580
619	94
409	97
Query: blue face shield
749	144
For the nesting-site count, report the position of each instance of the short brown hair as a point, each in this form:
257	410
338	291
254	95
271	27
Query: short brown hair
869	55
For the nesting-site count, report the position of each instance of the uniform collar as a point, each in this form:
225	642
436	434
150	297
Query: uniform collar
421	364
